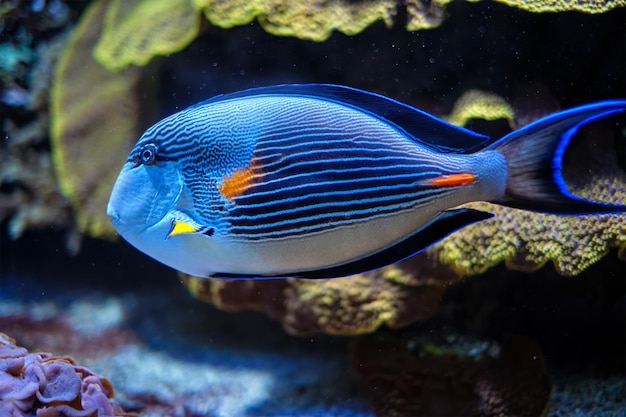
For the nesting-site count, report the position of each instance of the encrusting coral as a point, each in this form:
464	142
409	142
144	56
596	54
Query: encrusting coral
551	6
314	21
135	31
457	377
527	240
48	386
89	131
476	104
396	296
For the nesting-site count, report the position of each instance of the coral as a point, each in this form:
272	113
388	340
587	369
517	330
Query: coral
306	20
551	6
425	14
396	296
480	105
90	131
426	376
13	56
526	240
168	355
135	31
50	386
29	193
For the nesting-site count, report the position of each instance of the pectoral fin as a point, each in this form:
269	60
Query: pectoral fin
180	227
183	224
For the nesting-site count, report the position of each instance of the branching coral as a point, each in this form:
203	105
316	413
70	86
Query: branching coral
50	386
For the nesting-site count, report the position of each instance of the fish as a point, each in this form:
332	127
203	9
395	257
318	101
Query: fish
324	181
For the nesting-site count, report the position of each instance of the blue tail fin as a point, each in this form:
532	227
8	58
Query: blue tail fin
534	156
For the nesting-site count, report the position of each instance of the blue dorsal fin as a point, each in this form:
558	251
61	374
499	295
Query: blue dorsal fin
420	126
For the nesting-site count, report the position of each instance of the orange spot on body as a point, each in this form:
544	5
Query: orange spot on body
452	180
238	182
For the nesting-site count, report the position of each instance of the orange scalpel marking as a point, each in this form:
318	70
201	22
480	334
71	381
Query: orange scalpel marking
453	180
238	182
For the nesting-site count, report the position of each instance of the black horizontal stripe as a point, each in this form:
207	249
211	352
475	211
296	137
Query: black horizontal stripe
317	222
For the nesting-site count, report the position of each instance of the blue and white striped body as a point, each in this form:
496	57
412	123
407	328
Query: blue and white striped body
262	185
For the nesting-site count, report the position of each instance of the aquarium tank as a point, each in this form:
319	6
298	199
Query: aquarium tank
303	208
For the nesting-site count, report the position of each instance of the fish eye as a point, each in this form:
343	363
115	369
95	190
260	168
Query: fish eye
148	154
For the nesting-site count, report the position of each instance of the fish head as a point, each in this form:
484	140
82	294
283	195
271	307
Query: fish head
177	181
144	194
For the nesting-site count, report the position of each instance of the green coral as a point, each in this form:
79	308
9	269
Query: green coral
526	240
135	31
89	131
425	14
476	104
303	19
395	296
551	6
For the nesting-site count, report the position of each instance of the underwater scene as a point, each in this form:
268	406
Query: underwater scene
312	208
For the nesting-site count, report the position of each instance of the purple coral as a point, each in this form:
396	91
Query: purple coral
42	385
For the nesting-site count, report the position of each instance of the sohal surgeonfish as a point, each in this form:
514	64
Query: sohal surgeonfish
322	181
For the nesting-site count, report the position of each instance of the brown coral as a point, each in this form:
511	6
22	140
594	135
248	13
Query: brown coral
429	377
396	296
50	386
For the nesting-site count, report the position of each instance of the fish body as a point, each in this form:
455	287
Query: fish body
321	181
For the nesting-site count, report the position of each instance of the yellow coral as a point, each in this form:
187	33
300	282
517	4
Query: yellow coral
303	19
547	6
227	14
396	296
480	105
526	240
89	131
135	31
425	15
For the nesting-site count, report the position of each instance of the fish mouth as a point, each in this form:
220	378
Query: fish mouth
111	212
116	220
